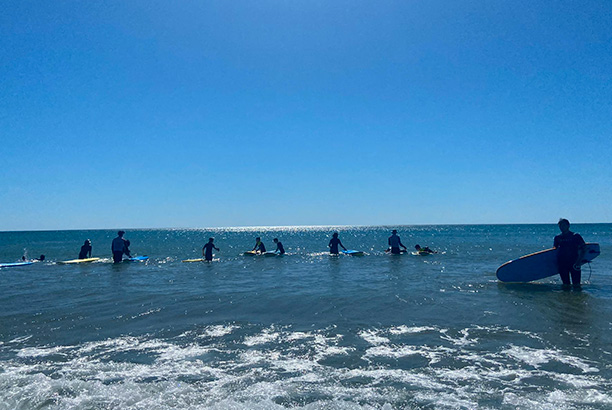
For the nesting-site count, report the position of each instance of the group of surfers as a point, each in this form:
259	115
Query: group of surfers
395	245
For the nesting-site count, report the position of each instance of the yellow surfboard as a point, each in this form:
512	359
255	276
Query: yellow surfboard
70	262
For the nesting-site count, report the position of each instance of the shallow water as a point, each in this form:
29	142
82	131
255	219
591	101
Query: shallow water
306	330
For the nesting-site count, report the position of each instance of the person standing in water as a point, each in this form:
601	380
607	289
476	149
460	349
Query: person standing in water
259	246
85	250
279	247
395	242
208	249
118	247
571	249
333	244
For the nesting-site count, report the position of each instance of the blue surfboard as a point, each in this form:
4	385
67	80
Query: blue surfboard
353	252
16	264
136	259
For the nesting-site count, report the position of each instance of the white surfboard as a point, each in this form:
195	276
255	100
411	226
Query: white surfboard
73	261
538	265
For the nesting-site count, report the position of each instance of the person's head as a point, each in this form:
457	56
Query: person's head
394	231
335	235
121	233
417	247
211	240
258	239
42	257
564	225
87	242
275	240
23	258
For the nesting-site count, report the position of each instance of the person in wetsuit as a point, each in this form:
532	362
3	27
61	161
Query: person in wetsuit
426	249
571	248
333	244
279	247
395	242
118	247
208	249
85	250
259	246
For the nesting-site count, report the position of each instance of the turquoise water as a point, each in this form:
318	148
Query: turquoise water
307	330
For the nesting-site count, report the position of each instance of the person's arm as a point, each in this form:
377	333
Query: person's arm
402	245
90	248
340	243
204	251
216	248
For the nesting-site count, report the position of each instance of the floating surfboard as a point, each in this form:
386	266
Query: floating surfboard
251	253
270	253
15	264
538	265
353	252
73	261
194	260
422	253
136	259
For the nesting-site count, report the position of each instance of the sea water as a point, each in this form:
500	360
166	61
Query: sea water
306	330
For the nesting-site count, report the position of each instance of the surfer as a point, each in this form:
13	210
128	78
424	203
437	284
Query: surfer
85	250
571	248
207	250
333	244
40	258
118	247
394	243
421	250
259	246
279	247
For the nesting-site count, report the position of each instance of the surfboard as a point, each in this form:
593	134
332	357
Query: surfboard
353	252
194	260
136	259
251	253
73	261
538	265
15	264
422	253
270	253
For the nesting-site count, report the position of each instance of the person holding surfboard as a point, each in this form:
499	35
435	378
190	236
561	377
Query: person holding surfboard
259	246
333	244
85	250
279	247
118	247
571	249
394	243
207	250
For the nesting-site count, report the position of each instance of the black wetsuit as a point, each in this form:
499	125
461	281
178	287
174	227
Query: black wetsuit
260	247
85	250
208	248
280	248
569	244
333	245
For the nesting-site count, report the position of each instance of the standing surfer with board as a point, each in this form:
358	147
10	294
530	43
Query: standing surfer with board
571	249
394	243
207	250
118	247
333	244
280	249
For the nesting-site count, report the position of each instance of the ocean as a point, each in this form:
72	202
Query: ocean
306	330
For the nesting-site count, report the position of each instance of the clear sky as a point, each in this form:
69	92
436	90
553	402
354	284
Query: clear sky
198	113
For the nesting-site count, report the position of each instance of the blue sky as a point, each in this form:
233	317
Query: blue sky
250	113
